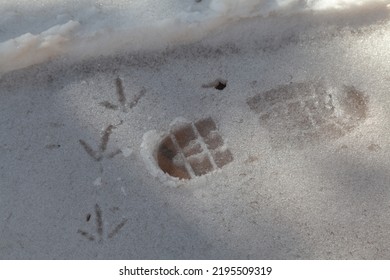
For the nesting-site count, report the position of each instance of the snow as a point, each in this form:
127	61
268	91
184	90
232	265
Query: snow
97	182
294	189
127	151
149	146
29	49
107	28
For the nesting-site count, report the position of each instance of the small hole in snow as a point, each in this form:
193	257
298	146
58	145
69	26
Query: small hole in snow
218	84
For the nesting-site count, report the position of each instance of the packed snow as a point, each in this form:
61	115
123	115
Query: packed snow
88	28
298	95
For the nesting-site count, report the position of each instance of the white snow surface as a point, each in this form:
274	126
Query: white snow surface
35	31
88	89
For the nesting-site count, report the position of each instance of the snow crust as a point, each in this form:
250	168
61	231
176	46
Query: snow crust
32	32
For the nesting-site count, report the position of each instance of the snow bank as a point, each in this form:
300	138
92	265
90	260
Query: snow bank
31	49
86	28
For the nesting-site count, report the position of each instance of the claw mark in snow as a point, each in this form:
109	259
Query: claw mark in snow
100	153
100	226
122	100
